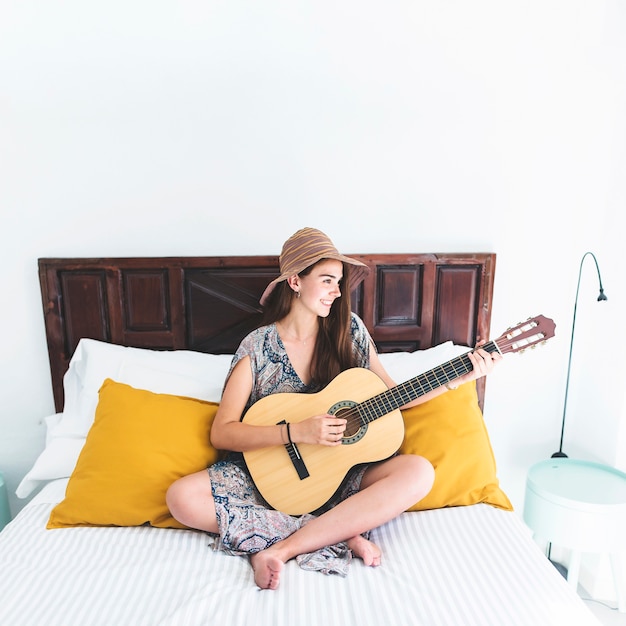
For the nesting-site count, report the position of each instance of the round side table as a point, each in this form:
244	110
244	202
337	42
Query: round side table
579	505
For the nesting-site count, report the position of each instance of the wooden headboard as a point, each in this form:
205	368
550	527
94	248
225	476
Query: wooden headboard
208	304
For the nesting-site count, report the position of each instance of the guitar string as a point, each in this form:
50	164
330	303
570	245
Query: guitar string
370	409
377	406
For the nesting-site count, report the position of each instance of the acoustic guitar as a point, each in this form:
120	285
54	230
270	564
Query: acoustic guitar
300	478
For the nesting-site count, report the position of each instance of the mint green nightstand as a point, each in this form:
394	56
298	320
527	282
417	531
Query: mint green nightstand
581	506
5	511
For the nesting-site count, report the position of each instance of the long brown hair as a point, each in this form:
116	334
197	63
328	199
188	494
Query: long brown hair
333	348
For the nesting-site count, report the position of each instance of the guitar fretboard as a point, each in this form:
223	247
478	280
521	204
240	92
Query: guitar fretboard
394	398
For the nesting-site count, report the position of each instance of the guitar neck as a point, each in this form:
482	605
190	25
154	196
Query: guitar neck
398	396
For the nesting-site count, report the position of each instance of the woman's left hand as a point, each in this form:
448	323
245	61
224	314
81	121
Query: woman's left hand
483	363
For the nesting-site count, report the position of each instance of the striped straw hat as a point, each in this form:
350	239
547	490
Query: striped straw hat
305	248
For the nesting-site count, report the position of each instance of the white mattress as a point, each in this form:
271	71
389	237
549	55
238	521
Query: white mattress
461	566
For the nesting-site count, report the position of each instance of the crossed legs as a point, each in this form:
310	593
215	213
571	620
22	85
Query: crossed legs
387	489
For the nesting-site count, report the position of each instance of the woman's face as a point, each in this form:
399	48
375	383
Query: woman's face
321	286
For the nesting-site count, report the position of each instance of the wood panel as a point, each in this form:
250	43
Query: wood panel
208	304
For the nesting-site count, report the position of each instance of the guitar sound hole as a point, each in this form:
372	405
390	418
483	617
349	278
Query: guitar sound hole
353	424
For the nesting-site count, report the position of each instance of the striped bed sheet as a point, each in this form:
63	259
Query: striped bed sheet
473	565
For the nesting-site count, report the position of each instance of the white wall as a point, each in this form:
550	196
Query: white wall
201	128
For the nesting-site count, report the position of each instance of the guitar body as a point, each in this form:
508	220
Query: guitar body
272	469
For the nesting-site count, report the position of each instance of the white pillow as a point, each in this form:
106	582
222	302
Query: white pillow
176	372
46	465
57	460
402	366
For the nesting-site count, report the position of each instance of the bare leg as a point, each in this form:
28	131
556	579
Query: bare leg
190	501
387	489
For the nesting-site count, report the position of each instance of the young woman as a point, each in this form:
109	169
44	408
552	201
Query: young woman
308	337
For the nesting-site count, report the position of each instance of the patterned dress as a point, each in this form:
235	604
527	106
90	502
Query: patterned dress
247	525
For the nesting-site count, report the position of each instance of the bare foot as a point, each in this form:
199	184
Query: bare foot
267	568
366	550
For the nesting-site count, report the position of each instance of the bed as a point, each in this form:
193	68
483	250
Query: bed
139	348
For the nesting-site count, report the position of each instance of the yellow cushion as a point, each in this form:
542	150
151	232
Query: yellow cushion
139	444
450	432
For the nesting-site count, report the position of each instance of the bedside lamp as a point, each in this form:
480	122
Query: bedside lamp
601	297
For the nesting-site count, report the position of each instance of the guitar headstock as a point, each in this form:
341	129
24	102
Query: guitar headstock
525	335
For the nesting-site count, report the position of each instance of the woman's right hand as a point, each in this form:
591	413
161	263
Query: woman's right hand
325	430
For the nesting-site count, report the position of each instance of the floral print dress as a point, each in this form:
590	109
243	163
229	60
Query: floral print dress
247	525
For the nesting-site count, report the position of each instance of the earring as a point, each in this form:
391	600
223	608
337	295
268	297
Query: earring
297	294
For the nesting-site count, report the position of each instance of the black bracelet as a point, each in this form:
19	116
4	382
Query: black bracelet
289	434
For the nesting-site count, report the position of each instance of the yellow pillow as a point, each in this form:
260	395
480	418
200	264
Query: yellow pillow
139	444
450	432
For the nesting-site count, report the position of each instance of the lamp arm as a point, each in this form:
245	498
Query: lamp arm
560	453
569	367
